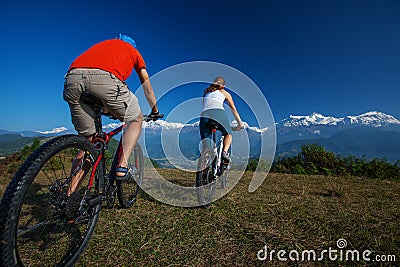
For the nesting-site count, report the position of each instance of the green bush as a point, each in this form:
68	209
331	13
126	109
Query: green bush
314	159
263	165
298	169
154	163
29	149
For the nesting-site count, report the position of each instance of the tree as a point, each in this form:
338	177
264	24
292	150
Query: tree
263	165
154	163
314	159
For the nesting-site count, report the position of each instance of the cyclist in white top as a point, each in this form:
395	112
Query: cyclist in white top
213	111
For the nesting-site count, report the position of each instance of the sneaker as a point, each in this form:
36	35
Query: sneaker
225	156
72	207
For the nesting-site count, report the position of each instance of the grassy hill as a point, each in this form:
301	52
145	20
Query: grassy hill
288	212
11	143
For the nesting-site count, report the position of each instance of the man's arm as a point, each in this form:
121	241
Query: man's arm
148	89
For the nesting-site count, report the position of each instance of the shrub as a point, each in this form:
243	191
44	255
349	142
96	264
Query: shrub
314	159
298	169
263	165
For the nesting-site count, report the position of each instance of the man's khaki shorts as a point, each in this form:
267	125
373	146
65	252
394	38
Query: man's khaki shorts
114	94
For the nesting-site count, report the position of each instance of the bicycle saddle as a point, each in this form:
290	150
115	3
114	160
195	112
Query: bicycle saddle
213	125
91	100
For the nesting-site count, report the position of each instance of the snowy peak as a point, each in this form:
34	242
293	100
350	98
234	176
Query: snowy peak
159	124
313	119
153	125
54	131
234	124
373	118
111	126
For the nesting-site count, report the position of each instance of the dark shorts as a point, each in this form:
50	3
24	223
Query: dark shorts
214	115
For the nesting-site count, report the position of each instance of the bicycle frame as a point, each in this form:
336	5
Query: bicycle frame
103	186
217	151
211	168
100	141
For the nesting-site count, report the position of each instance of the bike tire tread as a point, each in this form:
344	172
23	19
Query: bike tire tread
12	199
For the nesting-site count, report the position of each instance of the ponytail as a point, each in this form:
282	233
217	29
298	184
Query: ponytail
213	87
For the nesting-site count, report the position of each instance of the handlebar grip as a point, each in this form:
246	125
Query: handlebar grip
153	117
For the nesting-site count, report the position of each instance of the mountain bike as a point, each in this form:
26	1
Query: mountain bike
34	227
211	169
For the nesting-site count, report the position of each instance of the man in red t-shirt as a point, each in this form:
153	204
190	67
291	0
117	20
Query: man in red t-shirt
102	71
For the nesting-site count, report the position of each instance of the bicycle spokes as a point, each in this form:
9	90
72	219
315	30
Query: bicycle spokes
44	236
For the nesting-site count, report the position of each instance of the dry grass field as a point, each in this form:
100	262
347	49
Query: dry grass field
288	212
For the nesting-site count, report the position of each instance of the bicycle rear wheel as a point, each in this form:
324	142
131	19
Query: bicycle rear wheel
34	229
128	190
205	180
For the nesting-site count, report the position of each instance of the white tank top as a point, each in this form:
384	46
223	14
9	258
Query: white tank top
213	100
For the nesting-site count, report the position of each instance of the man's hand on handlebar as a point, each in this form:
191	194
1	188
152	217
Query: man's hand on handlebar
153	116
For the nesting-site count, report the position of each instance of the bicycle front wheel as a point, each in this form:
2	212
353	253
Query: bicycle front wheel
34	228
128	190
205	180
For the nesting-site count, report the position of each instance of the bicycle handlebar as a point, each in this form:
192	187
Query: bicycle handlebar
153	117
146	118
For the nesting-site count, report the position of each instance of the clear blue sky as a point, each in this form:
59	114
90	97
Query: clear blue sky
336	57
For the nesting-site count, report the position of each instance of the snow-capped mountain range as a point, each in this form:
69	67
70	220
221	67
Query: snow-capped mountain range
348	135
373	118
319	126
174	125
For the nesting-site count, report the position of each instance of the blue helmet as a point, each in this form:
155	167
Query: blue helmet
127	39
